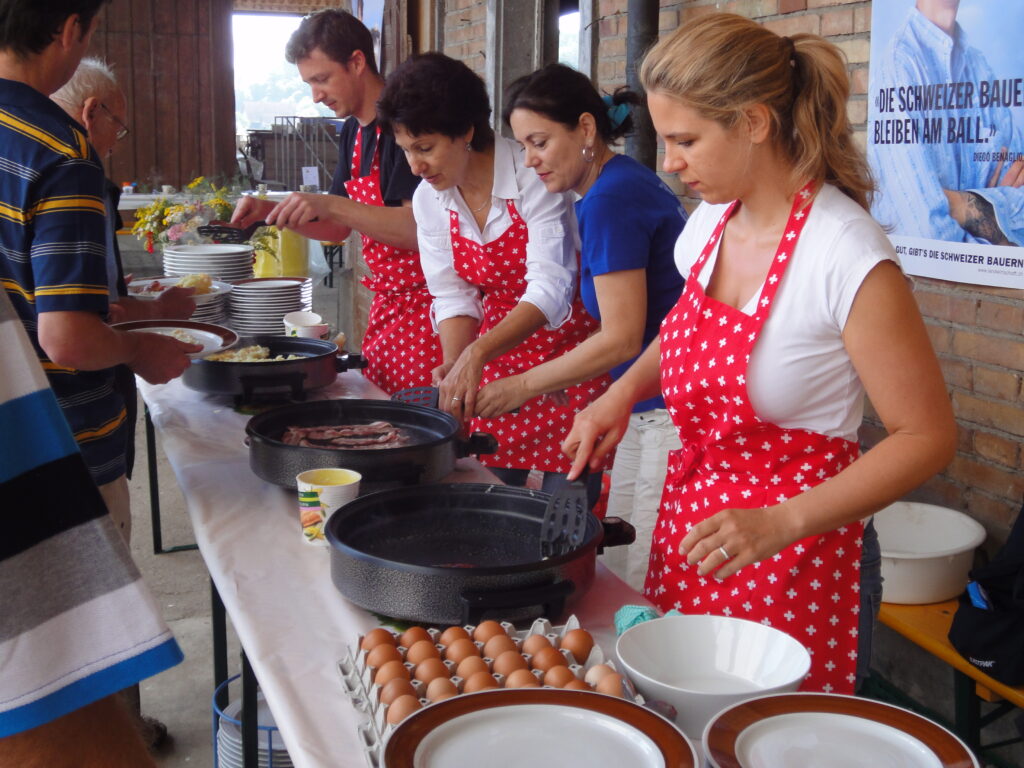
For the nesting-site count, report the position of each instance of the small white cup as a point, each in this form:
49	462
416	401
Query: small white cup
307	325
321	491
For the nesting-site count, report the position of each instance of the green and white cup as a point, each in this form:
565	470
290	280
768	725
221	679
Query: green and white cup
321	491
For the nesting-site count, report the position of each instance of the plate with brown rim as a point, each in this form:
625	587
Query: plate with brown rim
537	726
825	729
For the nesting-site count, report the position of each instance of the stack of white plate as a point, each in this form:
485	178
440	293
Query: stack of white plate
259	304
212	307
219	260
229	738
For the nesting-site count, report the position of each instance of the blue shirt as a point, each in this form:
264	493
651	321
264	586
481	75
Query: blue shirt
629	219
912	176
53	255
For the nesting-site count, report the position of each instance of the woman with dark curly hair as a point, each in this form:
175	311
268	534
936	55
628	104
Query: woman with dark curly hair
498	253
628	224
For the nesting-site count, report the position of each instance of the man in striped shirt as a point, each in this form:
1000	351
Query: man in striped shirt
77	623
53	238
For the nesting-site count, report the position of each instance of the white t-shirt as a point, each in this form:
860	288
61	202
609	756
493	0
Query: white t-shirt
551	268
800	376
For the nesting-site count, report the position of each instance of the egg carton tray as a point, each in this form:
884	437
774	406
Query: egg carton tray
357	677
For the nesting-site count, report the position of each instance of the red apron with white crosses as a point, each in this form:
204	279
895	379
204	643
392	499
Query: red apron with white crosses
732	459
531	438
400	345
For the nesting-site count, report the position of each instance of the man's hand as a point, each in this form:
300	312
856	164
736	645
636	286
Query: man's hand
176	303
299	209
249	210
158	358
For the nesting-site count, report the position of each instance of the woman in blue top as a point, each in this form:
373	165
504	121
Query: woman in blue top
628	225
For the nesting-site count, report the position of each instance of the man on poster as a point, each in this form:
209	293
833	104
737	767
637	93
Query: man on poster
958	173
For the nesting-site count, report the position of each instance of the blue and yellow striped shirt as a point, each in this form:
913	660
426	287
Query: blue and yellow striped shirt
53	255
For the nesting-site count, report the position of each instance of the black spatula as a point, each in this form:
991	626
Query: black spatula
565	518
223	232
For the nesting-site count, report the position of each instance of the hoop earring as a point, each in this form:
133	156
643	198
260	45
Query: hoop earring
588	154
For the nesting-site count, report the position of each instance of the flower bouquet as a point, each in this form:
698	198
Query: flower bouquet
176	221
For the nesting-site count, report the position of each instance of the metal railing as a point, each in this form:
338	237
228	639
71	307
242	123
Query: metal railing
292	144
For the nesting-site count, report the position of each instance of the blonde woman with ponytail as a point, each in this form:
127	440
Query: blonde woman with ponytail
794	309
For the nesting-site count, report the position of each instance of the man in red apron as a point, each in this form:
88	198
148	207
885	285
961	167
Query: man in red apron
371	193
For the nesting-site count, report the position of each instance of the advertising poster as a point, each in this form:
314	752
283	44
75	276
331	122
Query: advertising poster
946	137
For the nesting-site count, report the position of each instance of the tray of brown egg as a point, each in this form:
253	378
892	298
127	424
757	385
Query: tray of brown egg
389	675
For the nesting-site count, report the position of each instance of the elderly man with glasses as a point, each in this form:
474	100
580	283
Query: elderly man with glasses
93	97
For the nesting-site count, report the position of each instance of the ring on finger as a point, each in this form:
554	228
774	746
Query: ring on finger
725	554
455	399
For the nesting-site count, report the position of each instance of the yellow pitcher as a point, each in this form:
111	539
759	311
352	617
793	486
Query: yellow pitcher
286	255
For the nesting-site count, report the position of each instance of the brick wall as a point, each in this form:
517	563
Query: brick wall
978	332
465	32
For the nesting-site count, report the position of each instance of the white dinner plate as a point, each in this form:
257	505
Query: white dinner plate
822	730
153	287
513	728
829	739
214	338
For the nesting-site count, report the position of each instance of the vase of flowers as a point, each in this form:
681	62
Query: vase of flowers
175	220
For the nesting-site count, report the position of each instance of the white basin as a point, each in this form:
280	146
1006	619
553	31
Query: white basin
927	551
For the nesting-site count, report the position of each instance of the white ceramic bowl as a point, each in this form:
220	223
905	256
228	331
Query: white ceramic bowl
703	664
926	551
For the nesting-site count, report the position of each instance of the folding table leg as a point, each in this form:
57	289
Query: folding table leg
154	493
968	710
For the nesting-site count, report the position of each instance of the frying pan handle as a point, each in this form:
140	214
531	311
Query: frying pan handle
551	597
349	362
293	380
478	442
616	533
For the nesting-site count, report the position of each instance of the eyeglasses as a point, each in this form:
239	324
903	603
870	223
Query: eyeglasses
123	130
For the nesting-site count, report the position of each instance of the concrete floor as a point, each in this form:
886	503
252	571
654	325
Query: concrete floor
181	696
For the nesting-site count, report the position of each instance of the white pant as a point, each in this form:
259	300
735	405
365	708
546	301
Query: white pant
638	478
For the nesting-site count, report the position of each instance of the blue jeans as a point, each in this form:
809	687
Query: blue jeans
870	599
552	481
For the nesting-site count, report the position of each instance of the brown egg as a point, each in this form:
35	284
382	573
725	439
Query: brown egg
596	672
441	688
485	630
522	678
610	685
558	677
497	645
508	662
469	666
578	642
414	635
420	650
375	637
382	653
534	643
395	687
479	681
401	708
389	671
546	658
576	685
460	648
452	634
430	668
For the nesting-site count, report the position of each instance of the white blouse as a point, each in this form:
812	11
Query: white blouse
800	375
551	268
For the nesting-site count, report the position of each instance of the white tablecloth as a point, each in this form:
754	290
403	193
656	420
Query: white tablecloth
290	619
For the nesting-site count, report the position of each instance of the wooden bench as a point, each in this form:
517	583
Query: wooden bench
927	626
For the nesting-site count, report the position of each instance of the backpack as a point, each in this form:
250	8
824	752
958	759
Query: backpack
988	626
